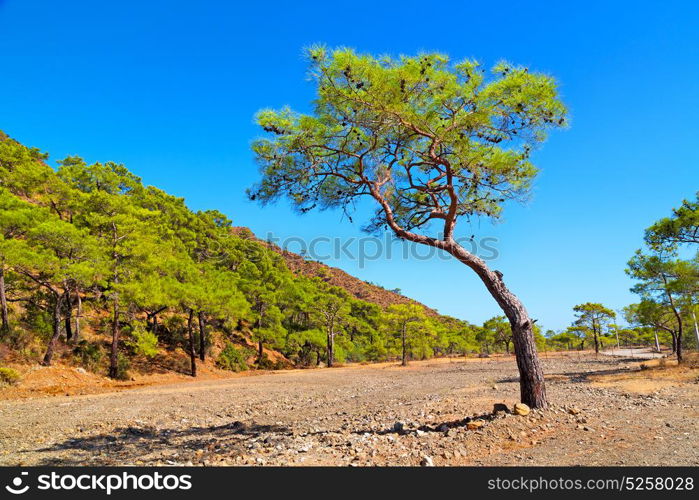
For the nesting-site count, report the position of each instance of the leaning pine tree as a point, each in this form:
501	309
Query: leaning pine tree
429	141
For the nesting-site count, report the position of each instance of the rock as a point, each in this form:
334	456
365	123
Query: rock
475	425
399	427
500	407
573	410
427	461
443	428
521	409
81	370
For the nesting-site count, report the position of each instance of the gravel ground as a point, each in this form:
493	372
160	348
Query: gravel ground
437	412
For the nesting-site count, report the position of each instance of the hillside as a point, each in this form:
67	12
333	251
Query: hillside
334	276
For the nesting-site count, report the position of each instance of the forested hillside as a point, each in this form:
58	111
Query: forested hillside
101	271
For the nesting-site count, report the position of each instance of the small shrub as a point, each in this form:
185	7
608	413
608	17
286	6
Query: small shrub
232	358
89	354
8	376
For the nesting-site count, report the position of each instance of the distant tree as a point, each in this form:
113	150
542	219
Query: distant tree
595	317
500	331
331	309
679	229
406	321
428	141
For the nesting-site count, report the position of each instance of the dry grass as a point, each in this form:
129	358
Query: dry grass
653	375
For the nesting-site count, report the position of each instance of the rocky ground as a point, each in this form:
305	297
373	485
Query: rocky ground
605	411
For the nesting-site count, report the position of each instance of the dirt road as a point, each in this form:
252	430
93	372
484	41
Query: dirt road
605	411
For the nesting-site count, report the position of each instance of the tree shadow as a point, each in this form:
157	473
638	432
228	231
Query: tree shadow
441	427
129	442
575	377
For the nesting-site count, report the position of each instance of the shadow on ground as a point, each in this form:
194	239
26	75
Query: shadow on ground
123	442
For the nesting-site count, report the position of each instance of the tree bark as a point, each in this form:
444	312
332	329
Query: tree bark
696	328
202	337
3	302
114	355
331	347
405	359
531	376
657	342
56	330
69	315
78	315
192	351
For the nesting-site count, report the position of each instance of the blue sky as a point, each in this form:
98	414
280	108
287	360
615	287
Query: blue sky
170	88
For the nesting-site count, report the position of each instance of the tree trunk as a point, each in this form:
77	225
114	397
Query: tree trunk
56	331
202	337
78	315
595	337
657	342
696	328
531	376
192	351
678	317
114	355
405	359
3	302
260	352
68	320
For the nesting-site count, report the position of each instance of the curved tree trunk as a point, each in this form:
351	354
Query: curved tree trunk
531	375
114	355
192	351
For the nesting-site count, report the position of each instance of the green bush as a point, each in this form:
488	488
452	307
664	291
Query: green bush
232	358
89	354
142	341
8	376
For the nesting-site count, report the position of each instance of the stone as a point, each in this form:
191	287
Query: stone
573	410
398	427
521	409
475	425
427	461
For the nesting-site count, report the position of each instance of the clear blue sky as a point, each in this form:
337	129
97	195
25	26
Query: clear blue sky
170	88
